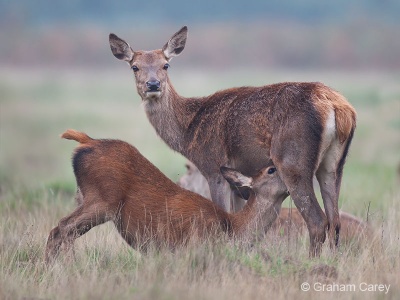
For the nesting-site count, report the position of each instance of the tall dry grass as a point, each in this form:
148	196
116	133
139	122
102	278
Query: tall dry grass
105	267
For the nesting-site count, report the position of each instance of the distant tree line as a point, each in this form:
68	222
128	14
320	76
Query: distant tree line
291	34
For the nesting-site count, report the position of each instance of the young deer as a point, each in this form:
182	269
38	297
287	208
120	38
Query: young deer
116	183
194	181
289	220
305	128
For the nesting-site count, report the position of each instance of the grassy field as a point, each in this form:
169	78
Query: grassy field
37	189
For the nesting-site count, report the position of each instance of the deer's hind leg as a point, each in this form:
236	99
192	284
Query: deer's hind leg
295	155
327	182
329	176
302	192
85	217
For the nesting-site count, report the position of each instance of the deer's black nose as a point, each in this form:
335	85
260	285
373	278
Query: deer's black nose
153	85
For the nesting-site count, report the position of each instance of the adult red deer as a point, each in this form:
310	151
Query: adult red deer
305	128
116	183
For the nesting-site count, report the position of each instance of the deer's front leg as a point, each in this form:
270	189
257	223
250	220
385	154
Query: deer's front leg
220	191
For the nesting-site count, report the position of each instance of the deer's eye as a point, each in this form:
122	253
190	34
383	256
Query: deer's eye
166	66
271	170
135	68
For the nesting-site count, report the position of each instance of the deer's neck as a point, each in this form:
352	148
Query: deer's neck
171	115
243	221
256	216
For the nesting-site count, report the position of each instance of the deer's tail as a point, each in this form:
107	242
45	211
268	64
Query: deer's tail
345	115
80	137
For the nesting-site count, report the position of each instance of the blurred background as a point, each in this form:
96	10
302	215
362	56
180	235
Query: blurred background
305	34
57	72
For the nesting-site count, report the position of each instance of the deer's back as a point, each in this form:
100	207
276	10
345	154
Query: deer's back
115	168
239	124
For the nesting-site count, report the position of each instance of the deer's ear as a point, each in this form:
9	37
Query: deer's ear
176	44
120	48
235	178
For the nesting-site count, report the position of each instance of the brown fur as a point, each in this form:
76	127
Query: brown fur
116	183
80	137
288	221
246	127
345	115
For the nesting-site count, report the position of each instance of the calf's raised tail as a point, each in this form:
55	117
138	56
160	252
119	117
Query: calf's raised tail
83	139
80	137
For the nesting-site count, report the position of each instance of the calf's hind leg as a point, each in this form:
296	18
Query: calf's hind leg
73	226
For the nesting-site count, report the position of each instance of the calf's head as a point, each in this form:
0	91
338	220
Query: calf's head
267	187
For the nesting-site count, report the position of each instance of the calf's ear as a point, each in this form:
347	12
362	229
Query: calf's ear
235	178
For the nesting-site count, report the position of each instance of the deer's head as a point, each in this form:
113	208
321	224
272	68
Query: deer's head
266	186
150	67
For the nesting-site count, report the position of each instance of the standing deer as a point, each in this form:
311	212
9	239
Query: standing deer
305	128
116	183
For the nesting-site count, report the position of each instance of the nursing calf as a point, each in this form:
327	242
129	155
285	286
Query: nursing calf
288	220
116	183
